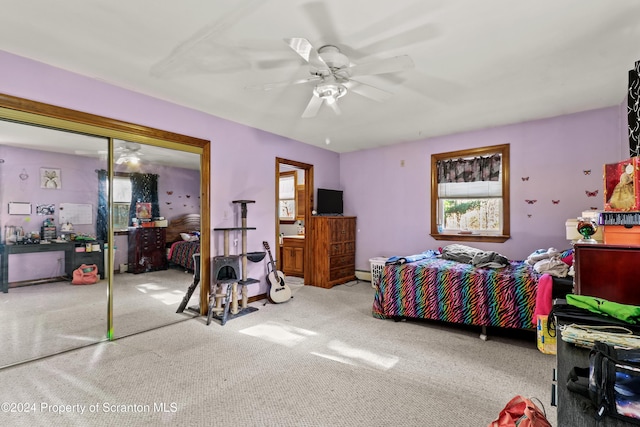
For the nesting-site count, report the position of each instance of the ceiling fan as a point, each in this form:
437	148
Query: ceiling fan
129	153
332	75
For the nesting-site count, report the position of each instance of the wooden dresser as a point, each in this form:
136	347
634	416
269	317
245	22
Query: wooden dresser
333	250
607	271
147	249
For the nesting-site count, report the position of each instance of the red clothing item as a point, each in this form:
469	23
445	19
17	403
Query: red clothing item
544	300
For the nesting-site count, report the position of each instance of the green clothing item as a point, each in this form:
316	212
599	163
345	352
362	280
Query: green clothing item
626	313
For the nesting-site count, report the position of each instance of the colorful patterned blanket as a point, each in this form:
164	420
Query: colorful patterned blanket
181	253
450	291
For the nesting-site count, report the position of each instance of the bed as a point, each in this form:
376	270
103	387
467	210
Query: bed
450	291
183	240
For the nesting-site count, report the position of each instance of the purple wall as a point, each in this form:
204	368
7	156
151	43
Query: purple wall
392	202
242	158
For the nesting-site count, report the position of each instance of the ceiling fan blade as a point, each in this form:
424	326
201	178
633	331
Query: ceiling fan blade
322	20
188	54
368	91
383	66
334	106
319	16
404	39
306	50
312	107
269	86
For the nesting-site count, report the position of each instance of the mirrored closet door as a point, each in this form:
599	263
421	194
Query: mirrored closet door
48	183
94	195
157	231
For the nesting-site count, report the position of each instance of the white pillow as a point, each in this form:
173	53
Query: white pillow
189	237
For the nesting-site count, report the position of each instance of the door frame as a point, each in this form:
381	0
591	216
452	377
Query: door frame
308	206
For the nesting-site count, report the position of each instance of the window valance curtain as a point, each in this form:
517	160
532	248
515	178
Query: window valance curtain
469	170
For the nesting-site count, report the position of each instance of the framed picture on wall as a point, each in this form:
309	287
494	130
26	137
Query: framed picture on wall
47	209
19	208
50	178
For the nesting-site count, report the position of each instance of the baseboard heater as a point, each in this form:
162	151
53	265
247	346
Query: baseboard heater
38	281
363	275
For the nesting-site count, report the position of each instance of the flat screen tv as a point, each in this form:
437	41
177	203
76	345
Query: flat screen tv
329	202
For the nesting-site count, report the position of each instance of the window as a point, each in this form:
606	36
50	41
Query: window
287	193
470	194
121	202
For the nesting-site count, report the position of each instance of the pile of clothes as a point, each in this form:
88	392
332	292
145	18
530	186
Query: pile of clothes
474	256
551	261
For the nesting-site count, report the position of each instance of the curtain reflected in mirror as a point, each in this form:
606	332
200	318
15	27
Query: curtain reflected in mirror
50	177
158	189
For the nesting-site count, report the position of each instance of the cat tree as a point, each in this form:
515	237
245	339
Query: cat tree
226	268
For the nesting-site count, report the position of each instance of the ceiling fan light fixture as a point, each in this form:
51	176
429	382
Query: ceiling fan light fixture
129	153
330	92
128	158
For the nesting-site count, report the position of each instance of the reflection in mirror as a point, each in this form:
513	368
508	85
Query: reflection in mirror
56	182
51	174
157	201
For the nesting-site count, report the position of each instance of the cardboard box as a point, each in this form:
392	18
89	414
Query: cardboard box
621	186
621	234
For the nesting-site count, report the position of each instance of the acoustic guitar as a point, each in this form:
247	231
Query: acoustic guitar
278	289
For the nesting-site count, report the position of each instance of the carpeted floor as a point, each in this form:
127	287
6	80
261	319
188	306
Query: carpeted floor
48	318
320	359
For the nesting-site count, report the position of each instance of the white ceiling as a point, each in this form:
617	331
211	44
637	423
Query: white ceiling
477	64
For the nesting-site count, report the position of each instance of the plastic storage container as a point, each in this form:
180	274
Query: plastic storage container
377	265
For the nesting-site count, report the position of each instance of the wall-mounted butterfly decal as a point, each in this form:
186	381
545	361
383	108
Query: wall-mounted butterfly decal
188	196
591	193
525	178
168	203
169	192
184	206
529	215
587	171
555	202
593	208
530	201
